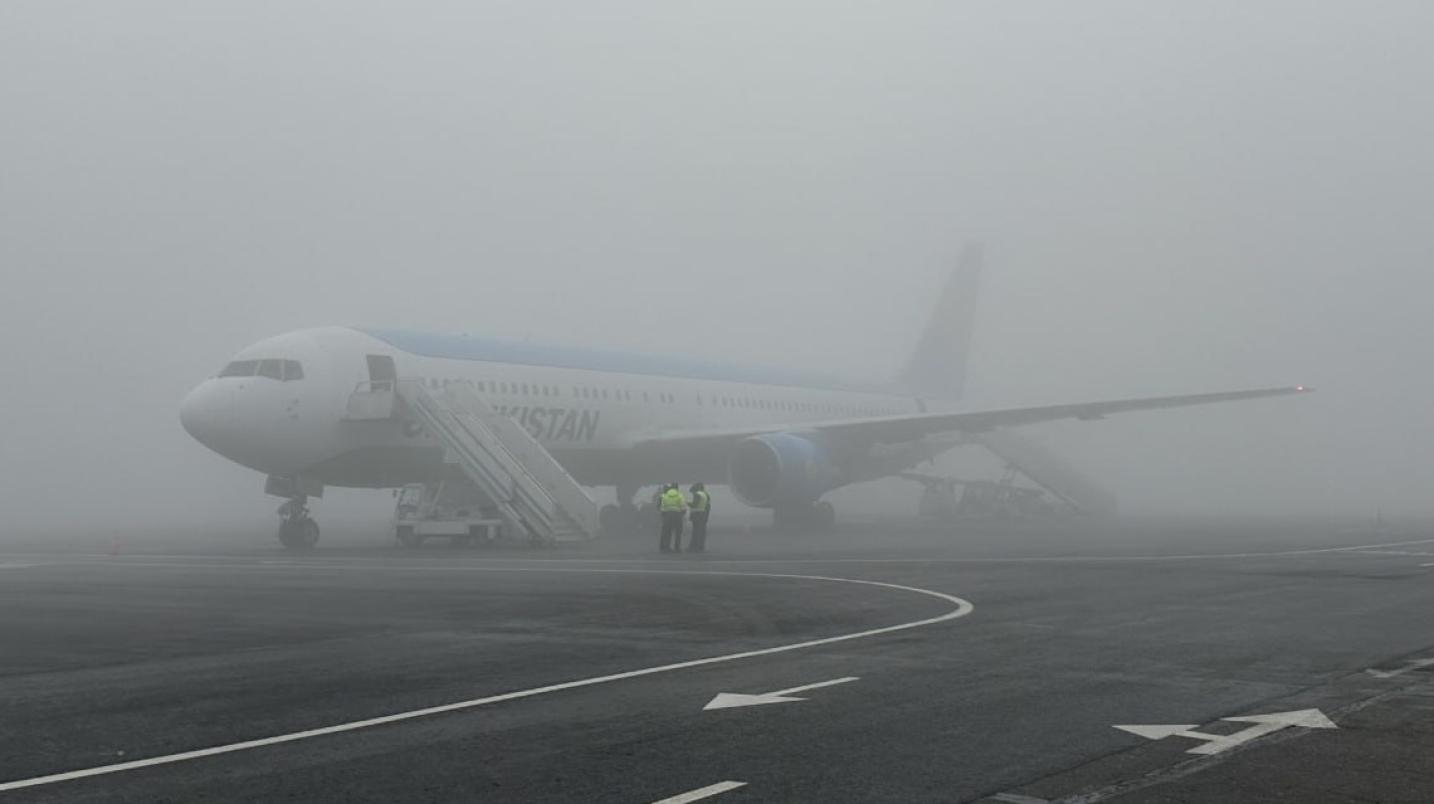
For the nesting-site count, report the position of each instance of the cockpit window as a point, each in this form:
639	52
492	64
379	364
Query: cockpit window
283	370
240	368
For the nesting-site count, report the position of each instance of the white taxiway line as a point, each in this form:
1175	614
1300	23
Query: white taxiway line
567	564
962	608
1416	664
1017	798
701	793
156	560
1391	553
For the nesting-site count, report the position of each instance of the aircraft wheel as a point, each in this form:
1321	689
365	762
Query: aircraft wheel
818	517
407	538
788	518
823	515
647	519
299	536
612	521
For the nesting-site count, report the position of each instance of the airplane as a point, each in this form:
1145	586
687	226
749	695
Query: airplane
778	439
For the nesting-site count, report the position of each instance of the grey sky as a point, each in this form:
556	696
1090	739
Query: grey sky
1175	196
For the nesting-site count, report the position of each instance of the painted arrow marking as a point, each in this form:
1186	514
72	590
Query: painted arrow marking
701	793
732	700
1413	665
1215	743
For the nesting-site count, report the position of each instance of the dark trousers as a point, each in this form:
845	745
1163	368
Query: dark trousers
699	532
671	531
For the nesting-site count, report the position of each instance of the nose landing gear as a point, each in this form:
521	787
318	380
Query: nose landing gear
298	532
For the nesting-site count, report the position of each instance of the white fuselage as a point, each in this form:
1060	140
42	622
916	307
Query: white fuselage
280	406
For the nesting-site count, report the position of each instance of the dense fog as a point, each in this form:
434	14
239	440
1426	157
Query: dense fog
1174	197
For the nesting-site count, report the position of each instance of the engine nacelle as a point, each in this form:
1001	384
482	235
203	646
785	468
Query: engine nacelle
782	468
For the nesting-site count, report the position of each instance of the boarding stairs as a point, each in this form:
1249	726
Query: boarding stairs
532	492
1049	471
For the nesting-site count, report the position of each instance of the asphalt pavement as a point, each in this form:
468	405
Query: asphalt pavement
1254	661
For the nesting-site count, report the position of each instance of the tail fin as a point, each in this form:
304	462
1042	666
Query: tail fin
938	365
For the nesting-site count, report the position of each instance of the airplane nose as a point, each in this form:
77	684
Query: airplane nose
207	414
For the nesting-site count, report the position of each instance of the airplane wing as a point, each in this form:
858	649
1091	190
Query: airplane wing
910	427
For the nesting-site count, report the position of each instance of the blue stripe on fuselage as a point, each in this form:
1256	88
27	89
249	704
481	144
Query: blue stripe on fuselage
495	350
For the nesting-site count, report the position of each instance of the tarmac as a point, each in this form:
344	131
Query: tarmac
1248	662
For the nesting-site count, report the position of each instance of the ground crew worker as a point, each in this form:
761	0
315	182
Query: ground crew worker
656	509
701	507
673	506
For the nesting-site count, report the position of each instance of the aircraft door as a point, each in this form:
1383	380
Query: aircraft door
382	374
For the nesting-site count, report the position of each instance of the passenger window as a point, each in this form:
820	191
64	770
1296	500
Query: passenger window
273	369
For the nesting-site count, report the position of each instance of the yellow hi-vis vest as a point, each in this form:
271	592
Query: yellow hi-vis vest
672	501
700	502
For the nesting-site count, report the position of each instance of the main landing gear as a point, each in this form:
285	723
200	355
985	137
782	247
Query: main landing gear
817	517
627	518
298	532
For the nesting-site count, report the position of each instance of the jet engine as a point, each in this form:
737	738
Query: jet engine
785	468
